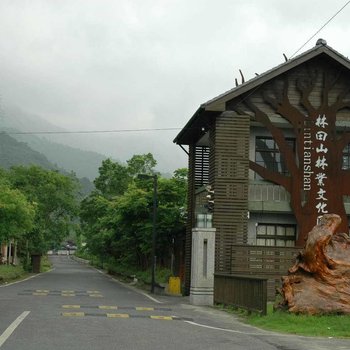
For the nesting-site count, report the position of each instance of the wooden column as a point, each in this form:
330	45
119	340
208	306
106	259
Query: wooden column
191	217
229	167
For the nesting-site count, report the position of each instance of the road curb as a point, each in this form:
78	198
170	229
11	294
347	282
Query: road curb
83	261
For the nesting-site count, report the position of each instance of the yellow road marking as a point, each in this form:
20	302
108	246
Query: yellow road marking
166	318
67	295
71	306
96	295
42	291
73	314
118	315
93	291
106	307
109	315
144	308
38	293
68	291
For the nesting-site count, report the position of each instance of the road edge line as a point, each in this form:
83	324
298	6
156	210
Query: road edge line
12	327
266	333
25	279
125	285
137	291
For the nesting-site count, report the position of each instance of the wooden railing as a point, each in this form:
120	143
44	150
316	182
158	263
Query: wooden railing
249	259
245	292
264	191
265	262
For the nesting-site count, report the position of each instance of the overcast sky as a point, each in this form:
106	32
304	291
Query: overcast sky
125	64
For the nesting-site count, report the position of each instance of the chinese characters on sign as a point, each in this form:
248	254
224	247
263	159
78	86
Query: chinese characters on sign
321	164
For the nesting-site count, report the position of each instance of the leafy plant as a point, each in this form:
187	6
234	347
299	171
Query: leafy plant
54	196
117	220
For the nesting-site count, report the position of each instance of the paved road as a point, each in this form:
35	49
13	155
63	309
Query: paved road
77	307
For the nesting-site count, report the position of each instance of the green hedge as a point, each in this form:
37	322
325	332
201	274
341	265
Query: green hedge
162	274
9	273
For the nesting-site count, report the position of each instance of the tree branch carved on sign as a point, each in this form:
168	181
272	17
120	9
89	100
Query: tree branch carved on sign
310	102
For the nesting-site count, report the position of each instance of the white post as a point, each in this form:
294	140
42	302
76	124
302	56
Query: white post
202	266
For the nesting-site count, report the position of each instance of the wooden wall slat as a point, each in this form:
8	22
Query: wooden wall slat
198	176
228	174
190	217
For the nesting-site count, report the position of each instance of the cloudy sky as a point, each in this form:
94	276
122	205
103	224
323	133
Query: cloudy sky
131	64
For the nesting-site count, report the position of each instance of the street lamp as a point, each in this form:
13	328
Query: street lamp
154	225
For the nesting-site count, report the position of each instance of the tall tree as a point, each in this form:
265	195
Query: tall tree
121	226
16	213
141	164
113	178
98	232
56	208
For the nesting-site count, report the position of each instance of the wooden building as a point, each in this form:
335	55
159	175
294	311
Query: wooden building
275	150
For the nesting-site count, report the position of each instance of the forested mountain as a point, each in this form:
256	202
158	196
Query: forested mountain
13	152
83	163
61	149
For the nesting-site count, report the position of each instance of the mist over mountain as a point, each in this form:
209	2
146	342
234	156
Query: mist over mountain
84	152
83	163
13	152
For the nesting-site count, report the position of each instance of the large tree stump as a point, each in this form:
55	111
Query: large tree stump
319	281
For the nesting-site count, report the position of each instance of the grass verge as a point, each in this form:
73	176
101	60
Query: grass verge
337	326
145	277
127	273
45	264
9	273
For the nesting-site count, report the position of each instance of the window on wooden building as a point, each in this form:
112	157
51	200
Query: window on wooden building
267	154
276	235
346	157
201	167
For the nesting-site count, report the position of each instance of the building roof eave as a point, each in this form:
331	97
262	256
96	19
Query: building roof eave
191	131
219	102
195	127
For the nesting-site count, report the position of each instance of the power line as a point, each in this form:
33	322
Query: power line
87	131
159	129
258	87
347	3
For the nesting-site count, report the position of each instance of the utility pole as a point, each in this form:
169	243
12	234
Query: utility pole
154	232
